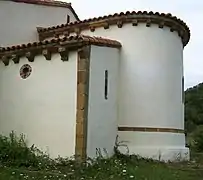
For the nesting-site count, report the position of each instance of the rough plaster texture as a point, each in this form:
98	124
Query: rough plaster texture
43	106
19	21
150	85
102	113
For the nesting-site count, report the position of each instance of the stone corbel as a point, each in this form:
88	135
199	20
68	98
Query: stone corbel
120	24
173	28
15	58
5	60
47	54
148	23
92	29
63	53
180	33
161	24
135	22
106	25
30	56
77	31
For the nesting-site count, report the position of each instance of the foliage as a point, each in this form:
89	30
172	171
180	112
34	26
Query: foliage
194	107
194	117
15	152
114	168
197	136
18	161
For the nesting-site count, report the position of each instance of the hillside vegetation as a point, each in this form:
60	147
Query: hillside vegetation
194	116
194	107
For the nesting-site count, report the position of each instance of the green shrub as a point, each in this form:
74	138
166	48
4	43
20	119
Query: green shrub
15	152
198	139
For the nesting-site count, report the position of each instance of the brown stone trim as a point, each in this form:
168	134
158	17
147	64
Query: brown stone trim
150	129
82	102
135	18
59	45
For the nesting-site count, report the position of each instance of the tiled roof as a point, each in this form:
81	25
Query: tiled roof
46	2
50	3
46	48
128	17
74	42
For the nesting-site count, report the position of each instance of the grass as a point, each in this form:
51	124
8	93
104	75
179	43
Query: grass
19	162
115	168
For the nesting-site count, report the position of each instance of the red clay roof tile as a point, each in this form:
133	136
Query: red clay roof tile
67	40
134	17
50	3
45	2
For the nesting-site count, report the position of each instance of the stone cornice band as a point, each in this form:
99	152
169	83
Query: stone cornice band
150	129
135	18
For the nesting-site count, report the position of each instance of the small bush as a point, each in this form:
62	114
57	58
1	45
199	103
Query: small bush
15	152
198	139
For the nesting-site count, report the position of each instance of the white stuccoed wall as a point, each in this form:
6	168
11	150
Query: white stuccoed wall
150	89
19	21
102	113
43	106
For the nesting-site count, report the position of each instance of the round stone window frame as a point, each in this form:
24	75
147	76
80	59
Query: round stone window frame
25	71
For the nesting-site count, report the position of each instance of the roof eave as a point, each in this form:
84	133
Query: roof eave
46	48
51	3
133	17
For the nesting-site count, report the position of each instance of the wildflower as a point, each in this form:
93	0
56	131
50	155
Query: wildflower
26	177
124	171
131	176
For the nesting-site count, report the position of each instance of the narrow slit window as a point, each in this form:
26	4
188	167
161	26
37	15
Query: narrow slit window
183	93
106	85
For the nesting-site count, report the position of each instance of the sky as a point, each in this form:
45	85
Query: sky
190	11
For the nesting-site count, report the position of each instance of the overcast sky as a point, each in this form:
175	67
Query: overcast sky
190	11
